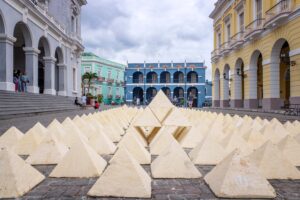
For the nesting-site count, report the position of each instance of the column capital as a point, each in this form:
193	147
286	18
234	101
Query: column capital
62	65
31	50
49	59
7	38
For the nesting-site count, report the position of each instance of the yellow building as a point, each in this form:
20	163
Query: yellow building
256	57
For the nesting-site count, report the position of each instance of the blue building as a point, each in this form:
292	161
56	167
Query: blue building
177	80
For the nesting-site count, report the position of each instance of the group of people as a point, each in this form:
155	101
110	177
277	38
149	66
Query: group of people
20	80
84	102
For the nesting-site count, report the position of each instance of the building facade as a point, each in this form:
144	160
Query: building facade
110	82
144	80
41	38
256	57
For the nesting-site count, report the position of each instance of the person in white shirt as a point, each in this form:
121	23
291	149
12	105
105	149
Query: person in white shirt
83	100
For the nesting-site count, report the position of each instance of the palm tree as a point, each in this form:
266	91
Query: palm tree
89	76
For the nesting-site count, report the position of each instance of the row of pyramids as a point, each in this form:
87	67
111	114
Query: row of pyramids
246	151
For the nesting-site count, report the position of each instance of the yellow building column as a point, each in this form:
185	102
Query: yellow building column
295	77
251	101
236	100
216	92
225	92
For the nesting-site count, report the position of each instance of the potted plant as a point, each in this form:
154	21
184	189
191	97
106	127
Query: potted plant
100	98
89	99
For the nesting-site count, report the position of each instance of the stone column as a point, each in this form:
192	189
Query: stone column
251	101
295	80
31	67
62	70
225	93
6	62
271	83
216	92
237	101
49	75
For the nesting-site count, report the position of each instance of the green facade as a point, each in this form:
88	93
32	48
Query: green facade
110	82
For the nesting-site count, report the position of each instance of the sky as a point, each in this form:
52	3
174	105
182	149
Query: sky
149	30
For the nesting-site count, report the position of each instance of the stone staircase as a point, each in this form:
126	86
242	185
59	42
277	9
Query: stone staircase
26	104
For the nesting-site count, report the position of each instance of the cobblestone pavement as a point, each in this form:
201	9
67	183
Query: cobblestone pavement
25	123
264	115
162	189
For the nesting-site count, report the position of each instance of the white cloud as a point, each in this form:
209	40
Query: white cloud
149	30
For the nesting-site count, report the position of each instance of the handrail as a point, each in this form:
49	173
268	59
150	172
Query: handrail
257	22
284	4
238	35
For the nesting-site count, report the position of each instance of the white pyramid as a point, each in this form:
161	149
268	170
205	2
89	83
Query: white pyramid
28	143
73	134
176	118
81	161
297	138
40	128
292	129
16	176
57	129
208	152
124	177
102	144
193	137
135	148
147	119
273	164
173	162
235	141
161	106
254	138
49	151
290	149
162	140
237	177
274	132
10	137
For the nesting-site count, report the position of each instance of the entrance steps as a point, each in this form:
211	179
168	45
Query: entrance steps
27	104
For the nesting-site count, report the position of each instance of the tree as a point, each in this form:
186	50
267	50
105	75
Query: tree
89	77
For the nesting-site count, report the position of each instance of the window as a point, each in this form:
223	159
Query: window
117	91
258	9
109	74
241	22
219	40
99	72
228	32
109	91
87	69
74	79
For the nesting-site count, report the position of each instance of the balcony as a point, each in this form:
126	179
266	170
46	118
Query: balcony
139	81
225	48
118	97
254	29
101	79
110	81
278	13
181	80
237	40
152	80
215	54
164	80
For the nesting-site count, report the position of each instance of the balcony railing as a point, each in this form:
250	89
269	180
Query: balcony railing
163	80
110	81
215	54
137	81
152	80
101	79
181	80
237	40
225	48
118	97
254	28
278	12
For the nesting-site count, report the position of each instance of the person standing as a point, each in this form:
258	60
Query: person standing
16	81
190	100
83	100
24	81
138	101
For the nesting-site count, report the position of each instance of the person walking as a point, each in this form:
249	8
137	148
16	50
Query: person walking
16	81
24	81
83	100
190	100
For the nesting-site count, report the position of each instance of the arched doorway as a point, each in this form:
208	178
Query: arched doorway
165	77
150	94
44	52
179	94
192	77
152	77
216	85
194	92
239	84
255	78
226	86
22	44
280	70
138	92
167	91
178	77
59	71
137	77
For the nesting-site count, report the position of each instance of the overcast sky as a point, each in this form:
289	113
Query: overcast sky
149	30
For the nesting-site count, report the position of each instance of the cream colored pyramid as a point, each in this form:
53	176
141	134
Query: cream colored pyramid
207	152
81	161
161	106
272	163
10	137
28	143
135	148
88	131
73	134
141	138
193	136
274	132
162	140
254	138
290	149
49	151
40	128
235	141
102	144
293	130
56	128
124	177
16	176
176	118
297	138
147	119
237	177
173	162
